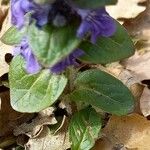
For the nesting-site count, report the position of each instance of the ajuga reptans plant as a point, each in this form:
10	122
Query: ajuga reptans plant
53	41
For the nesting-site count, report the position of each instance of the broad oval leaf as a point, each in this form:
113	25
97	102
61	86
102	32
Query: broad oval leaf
94	3
84	129
32	93
51	44
104	91
12	36
107	50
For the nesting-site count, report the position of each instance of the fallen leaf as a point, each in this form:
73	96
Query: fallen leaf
4	49
139	26
22	140
125	9
64	104
48	141
115	68
139	65
3	13
5	142
60	124
9	118
4	67
137	90
34	128
6	24
103	144
132	131
145	102
46	112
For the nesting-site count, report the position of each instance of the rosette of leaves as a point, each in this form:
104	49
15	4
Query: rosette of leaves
95	88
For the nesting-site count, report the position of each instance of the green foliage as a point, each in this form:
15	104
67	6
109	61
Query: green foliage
110	49
94	3
52	44
104	91
84	129
32	93
12	36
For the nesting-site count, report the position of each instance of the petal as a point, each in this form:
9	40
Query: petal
94	38
16	51
59	67
83	29
98	23
109	26
17	16
77	53
41	14
32	65
68	61
20	7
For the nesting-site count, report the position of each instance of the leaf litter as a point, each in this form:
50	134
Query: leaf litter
122	133
4	67
36	126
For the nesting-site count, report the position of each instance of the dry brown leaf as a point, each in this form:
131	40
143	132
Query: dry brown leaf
7	115
6	24
132	131
115	68
46	112
4	67
34	128
145	102
3	13
137	90
64	104
139	65
48	141
139	26
125	9
5	142
2	17
103	144
9	118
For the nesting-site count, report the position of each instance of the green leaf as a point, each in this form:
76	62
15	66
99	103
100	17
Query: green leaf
104	91
94	3
32	93
84	129
52	44
12	36
110	49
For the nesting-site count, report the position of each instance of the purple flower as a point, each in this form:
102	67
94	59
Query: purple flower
70	60
32	65
20	7
97	23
